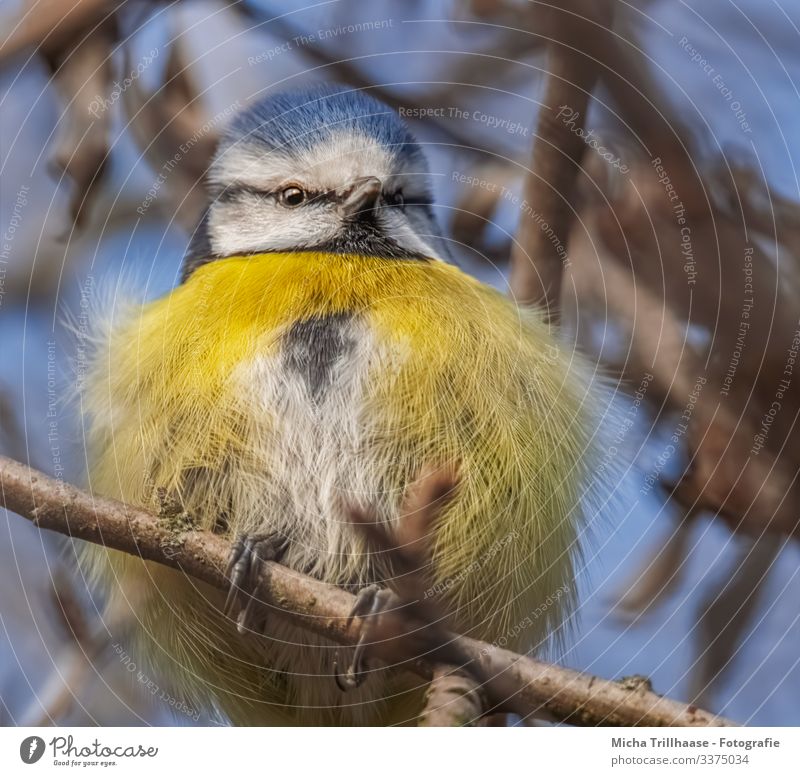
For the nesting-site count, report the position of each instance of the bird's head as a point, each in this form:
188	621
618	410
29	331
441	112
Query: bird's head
324	168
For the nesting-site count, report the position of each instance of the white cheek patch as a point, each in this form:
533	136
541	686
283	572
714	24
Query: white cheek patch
247	225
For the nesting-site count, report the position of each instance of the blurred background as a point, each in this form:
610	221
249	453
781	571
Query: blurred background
663	192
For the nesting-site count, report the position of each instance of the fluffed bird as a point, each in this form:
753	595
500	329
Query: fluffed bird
319	351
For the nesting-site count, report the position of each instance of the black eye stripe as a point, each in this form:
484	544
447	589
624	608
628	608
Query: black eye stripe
416	201
229	193
235	191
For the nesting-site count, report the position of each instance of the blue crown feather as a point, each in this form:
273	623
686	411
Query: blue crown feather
302	118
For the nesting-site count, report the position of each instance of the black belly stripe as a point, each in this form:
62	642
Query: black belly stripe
312	347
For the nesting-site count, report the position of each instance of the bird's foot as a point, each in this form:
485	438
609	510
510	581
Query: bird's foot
371	601
248	555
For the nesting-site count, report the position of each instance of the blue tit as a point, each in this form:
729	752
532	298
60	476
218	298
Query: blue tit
318	353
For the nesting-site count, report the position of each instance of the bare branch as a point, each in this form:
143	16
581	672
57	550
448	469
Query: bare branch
324	609
83	644
537	260
48	25
175	131
82	146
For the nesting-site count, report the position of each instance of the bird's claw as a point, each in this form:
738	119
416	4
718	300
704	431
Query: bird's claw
248	554
371	601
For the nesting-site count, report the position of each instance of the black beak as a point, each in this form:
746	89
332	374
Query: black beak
360	197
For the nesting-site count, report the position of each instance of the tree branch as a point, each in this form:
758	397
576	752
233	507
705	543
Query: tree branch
536	687
539	252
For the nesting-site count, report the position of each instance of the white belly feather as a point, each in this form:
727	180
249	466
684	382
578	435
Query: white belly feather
319	461
315	461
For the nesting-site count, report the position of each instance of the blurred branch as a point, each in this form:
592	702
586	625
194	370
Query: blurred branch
83	140
470	70
727	614
12	437
173	127
324	609
659	574
538	253
49	25
82	644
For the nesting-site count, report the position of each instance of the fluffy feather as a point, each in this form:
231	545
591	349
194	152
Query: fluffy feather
213	393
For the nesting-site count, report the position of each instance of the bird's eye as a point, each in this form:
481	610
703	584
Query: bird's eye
292	196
